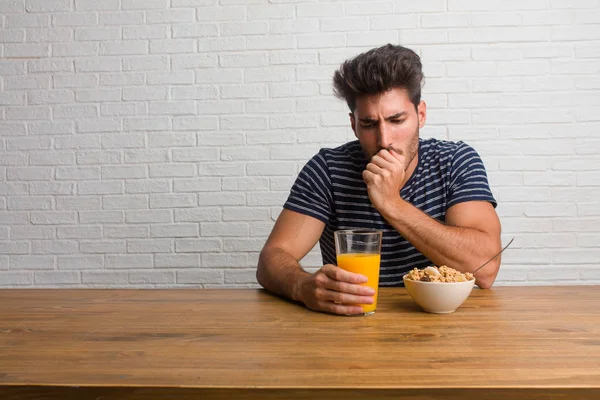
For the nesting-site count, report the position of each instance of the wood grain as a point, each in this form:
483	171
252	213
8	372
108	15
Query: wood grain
141	344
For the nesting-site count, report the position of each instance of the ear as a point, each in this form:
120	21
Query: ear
422	113
353	124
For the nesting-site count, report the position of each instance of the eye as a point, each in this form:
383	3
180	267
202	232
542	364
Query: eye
398	121
367	125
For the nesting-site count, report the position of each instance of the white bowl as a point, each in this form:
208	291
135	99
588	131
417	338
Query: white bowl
439	297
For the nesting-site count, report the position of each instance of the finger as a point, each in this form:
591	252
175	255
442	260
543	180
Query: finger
374	168
399	157
382	159
342	309
337	274
351	288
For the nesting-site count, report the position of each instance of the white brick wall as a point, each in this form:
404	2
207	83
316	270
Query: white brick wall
151	143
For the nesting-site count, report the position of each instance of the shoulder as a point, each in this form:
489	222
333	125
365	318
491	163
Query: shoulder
346	152
445	151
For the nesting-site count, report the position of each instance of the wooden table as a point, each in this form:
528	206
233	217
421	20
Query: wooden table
504	343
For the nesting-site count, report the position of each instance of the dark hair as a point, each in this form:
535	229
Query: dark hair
377	71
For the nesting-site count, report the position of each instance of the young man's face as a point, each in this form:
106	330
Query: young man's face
388	121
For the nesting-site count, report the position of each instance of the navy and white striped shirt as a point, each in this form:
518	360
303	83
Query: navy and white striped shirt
330	188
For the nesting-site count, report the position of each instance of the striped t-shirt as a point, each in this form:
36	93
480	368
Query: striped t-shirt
330	188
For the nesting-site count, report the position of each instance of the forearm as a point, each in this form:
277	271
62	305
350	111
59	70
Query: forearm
279	273
464	249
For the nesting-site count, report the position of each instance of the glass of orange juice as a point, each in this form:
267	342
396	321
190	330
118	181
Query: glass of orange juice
359	251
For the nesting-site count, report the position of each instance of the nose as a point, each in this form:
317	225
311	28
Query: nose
385	136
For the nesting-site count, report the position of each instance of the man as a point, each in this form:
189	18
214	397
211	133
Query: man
431	198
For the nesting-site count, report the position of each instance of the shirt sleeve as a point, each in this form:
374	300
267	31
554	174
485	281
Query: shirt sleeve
311	193
468	178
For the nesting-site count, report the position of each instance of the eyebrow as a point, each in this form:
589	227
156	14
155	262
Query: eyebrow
393	116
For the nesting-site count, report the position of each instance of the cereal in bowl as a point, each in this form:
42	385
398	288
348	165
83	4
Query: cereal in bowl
439	274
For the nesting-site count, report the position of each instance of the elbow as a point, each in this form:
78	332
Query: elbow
486	279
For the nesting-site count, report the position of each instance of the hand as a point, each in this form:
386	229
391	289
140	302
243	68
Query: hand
333	290
384	177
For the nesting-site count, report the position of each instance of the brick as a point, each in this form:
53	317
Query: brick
221	199
216	76
170	16
26	82
146	63
496	5
172	170
194	30
245	214
221	169
242	122
149	246
174	230
98	157
14	218
172	200
194	93
221	13
122	79
147	186
145	32
122	18
123	109
31	232
125	231
197	214
77	203
74	19
549	210
98	64
51	158
172	46
196	185
272	168
29	174
148	216
12	35
224	260
120	278
56	278
128	47
26	20
145	93
125	202
197	245
144	4
240	276
192	3
75	80
55	188
91	217
203	276
97	34
77	173
245	184
50	65
244	153
176	260
118	141
194	123
106	246
17	278
146	124
266	199
54	246
100	187
33	6
14	247
146	156
79	232
243	60
152	277
80	262
172	108
12	6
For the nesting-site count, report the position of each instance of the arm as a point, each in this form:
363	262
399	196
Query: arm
331	289
470	237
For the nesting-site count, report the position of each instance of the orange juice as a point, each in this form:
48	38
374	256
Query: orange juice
365	264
